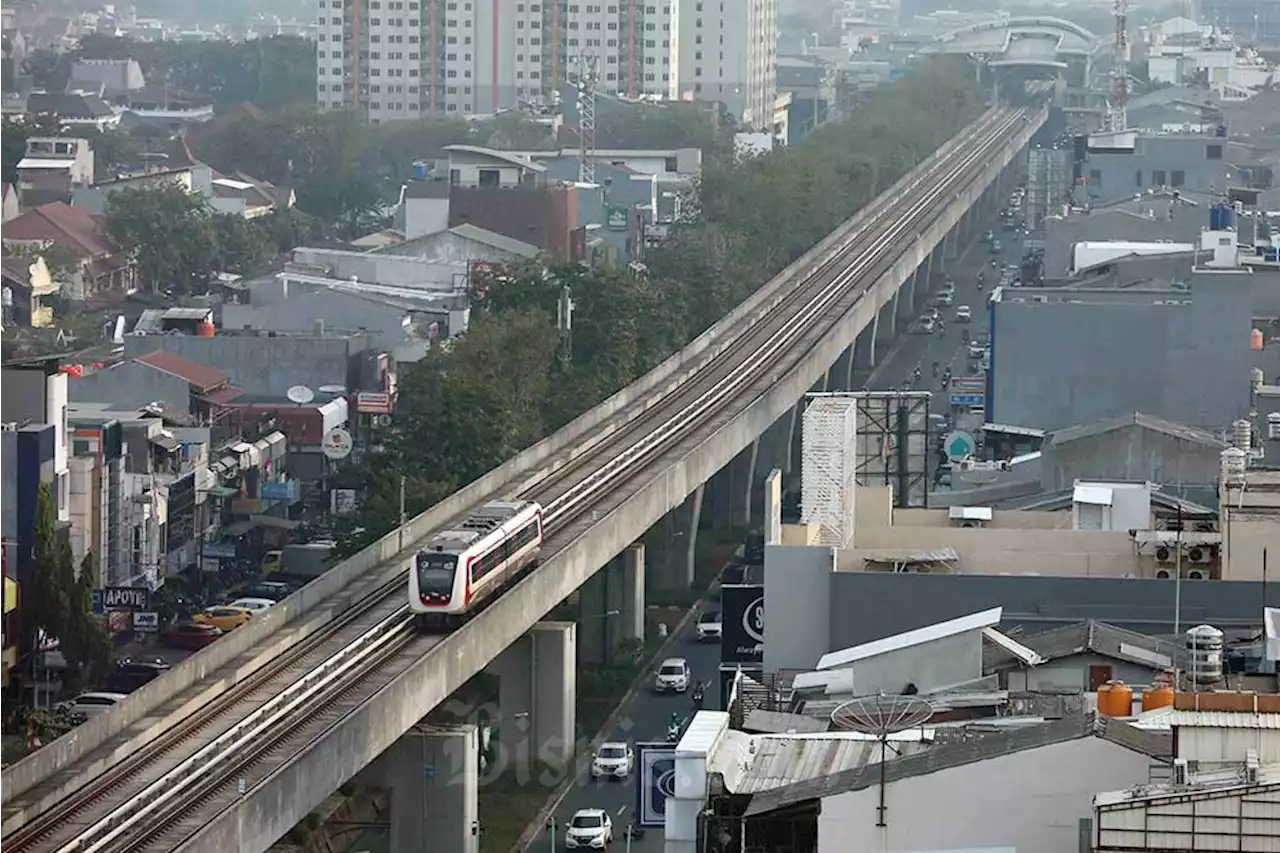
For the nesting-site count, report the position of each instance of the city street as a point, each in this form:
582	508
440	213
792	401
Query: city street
645	719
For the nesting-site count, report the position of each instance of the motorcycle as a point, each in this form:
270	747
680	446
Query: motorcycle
673	733
697	698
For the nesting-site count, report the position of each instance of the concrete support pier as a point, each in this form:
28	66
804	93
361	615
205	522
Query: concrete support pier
633	600
432	773
537	694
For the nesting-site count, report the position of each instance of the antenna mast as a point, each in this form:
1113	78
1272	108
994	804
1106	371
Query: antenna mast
1119	114
587	118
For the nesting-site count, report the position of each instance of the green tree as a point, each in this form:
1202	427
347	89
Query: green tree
172	233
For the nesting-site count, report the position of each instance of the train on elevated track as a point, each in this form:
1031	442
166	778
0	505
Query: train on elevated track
459	569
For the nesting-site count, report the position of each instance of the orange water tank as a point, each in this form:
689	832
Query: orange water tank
1255	339
1115	699
1158	695
205	329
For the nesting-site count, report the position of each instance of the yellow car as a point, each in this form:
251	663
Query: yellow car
223	616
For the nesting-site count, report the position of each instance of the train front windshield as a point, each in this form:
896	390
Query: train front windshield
435	573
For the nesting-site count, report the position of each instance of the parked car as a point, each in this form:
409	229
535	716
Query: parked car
708	627
276	591
613	761
92	704
192	635
253	605
673	676
976	350
129	674
223	616
590	828
964	314
923	326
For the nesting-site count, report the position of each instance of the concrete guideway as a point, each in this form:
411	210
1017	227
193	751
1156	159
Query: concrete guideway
69	763
435	667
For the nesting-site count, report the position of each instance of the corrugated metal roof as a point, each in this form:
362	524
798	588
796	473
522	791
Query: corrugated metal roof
1100	638
972	747
1222	720
1030	657
927	634
754	763
1095	495
780	722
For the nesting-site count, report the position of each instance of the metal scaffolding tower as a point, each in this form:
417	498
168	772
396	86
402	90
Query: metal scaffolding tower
586	84
1118	115
827	468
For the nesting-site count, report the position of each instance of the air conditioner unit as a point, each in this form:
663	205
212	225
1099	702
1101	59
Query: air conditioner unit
1181	772
1164	574
1199	554
969	523
1196	574
1164	554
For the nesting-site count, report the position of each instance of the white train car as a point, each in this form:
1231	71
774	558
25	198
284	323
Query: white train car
459	568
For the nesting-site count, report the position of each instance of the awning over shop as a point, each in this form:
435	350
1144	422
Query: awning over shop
276	522
222	491
239	528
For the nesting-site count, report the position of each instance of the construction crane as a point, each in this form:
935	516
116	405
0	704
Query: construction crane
1118	117
587	117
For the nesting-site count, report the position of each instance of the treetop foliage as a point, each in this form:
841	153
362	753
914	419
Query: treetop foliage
505	383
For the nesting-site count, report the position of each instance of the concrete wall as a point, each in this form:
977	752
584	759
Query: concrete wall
868	606
131	385
1115	175
1246	539
796	584
1029	800
301	307
261	365
1131	453
1060	364
1072	673
401	270
928	666
1181	223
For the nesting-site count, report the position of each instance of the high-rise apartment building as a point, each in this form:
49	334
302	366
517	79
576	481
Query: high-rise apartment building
406	59
726	51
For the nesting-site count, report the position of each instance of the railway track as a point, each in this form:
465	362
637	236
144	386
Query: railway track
169	789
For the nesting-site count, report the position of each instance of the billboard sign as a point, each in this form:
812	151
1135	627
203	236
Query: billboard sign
742	623
968	384
617	219
968	399
373	403
121	598
655	781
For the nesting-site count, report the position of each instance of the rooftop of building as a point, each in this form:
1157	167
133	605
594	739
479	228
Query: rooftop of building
972	745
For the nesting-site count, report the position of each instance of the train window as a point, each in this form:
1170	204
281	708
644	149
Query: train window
435	572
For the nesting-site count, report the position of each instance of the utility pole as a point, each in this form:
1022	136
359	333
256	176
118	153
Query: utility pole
564	322
587	118
1118	118
400	534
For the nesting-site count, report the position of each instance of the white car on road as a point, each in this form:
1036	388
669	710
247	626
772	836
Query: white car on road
673	676
257	605
93	704
613	761
589	828
964	314
708	627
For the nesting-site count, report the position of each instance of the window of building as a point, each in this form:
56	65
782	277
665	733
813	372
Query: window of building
1178	178
1158	178
1213	152
1137	178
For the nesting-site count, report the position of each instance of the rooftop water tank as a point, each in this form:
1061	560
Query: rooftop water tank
1158	695
1115	699
419	171
1233	466
1204	651
1221	217
1241	434
205	329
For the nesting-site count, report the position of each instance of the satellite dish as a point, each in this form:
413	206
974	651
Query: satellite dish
333	390
881	716
337	444
300	394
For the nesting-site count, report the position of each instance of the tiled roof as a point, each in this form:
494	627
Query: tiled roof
17	269
976	746
1099	638
73	227
68	105
203	378
1186	433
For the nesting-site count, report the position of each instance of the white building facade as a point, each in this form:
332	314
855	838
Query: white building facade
391	60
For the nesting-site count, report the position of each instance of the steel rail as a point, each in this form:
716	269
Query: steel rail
793	325
273	718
